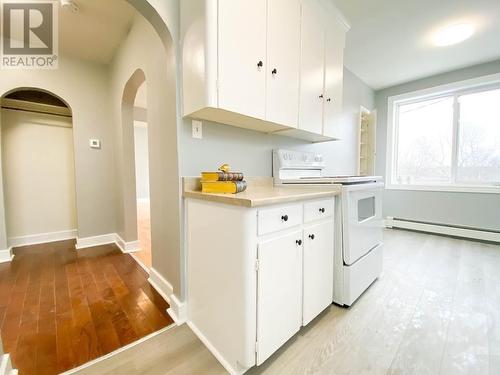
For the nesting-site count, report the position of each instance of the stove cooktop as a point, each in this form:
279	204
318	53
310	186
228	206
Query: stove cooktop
332	180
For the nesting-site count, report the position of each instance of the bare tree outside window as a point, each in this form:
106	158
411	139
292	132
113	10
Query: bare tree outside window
427	130
479	137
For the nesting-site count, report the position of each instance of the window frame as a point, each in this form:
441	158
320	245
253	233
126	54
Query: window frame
452	90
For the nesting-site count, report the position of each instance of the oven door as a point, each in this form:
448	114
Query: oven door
362	224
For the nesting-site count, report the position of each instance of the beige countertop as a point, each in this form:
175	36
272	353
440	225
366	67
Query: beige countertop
260	192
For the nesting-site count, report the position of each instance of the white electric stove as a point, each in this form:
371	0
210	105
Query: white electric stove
358	220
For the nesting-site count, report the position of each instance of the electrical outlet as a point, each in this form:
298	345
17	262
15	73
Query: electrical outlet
197	129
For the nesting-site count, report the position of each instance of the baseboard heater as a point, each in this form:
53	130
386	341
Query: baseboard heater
448	230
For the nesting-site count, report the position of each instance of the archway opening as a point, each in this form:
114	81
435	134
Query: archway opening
101	45
142	180
38	167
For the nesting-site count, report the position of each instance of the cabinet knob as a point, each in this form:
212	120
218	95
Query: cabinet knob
329	99
298	242
322	210
284	218
274	71
260	64
311	236
321	96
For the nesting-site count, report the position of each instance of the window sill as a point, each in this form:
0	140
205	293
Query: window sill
450	189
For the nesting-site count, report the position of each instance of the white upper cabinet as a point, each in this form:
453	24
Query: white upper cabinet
242	57
312	73
262	64
283	58
322	64
334	79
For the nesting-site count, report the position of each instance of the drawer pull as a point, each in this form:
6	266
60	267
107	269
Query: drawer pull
284	218
298	242
322	210
311	236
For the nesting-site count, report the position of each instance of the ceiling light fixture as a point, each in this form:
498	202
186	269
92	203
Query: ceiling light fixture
453	34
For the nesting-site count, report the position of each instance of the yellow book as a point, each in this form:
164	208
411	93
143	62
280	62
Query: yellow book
228	187
221	176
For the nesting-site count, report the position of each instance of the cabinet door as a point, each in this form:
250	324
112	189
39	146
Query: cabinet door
242	57
283	61
279	292
318	270
312	67
334	75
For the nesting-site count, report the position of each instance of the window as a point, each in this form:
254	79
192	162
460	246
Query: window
445	140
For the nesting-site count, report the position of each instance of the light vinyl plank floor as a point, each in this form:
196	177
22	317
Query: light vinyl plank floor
435	310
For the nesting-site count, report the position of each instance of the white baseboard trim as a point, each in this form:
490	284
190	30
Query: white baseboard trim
117	351
36	239
212	350
162	286
177	308
140	263
475	234
105	239
6	255
127	247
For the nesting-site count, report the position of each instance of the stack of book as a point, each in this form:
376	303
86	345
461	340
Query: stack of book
222	181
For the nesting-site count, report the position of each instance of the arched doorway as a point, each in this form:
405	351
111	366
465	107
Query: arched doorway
38	167
135	136
101	186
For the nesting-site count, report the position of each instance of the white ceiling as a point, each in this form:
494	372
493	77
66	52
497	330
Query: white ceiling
389	42
96	30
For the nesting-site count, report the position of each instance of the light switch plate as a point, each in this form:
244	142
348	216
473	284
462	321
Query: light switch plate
197	129
95	143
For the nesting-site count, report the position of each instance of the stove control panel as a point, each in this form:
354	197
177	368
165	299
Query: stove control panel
298	159
300	163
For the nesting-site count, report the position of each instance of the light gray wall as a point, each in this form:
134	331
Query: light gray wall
476	210
34	146
143	50
84	86
141	161
250	152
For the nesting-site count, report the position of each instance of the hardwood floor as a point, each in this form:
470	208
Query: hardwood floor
435	310
144	232
60	308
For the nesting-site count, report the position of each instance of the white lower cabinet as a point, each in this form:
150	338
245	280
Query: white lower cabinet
317	270
279	292
256	275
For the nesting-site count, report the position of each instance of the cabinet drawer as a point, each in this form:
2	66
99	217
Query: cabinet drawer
318	210
276	219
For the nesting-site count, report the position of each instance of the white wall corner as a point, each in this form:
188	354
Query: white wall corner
177	309
162	286
105	239
6	255
389	222
36	239
127	247
6	365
